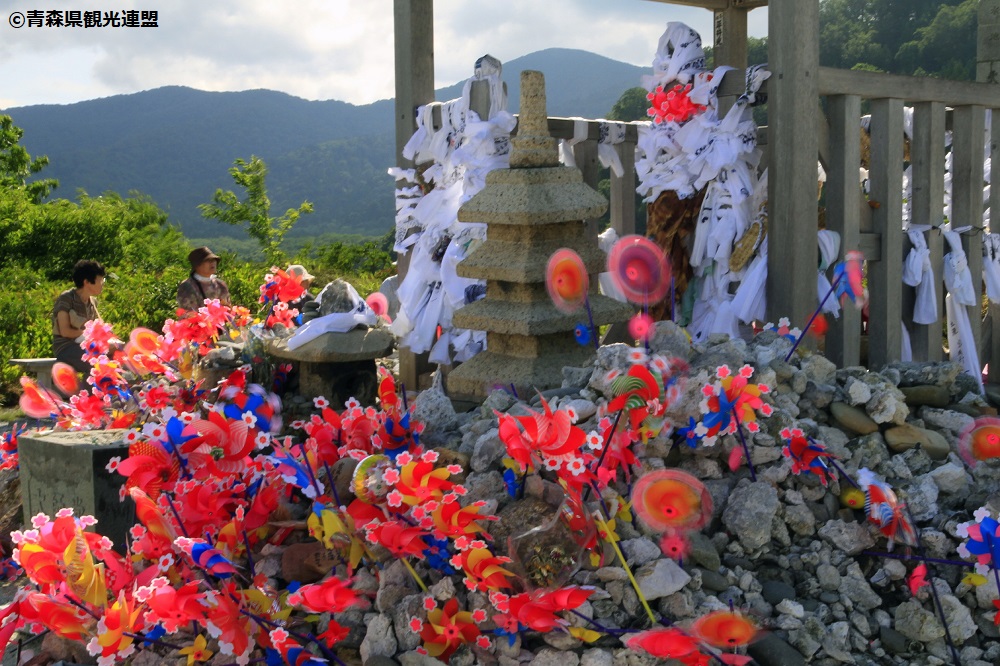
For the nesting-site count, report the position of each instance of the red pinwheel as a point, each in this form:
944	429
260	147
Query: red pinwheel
848	279
379	305
400	539
419	482
639	269
37	402
217	445
205	557
453	520
640	393
885	511
665	643
226	622
62	618
806	455
149	467
332	595
482	569
64	378
173	608
446	629
159	532
546	435
917	579
980	441
669	499
567	280
281	287
537	610
725	629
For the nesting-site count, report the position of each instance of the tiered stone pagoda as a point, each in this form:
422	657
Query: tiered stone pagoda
531	210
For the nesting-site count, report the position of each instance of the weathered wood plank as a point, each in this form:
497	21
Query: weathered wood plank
730	44
413	25
884	283
793	148
871	85
967	194
927	208
585	154
623	192
994	311
704	4
843	198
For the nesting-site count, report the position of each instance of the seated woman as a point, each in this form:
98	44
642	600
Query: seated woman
202	283
72	310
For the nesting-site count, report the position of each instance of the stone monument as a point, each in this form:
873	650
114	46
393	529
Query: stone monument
531	210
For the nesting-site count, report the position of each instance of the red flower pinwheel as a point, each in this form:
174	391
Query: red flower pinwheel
229	625
725	629
639	392
173	608
806	455
732	396
537	610
281	286
149	467
330	596
400	539
454	521
446	629
62	618
666	643
482	569
116	630
547	435
218	446
672	106
420	482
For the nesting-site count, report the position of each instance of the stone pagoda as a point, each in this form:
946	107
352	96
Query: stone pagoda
531	210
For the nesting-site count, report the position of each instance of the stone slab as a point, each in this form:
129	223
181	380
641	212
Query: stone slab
538	318
68	469
476	378
359	344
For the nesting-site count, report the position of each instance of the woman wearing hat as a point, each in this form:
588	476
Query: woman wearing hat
202	284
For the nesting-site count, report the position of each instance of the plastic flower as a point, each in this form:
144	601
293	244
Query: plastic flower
673	105
197	651
483	570
446	629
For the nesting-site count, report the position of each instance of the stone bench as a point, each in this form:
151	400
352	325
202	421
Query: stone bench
338	366
69	469
41	367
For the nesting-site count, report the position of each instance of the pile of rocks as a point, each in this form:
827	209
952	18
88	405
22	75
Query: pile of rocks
784	547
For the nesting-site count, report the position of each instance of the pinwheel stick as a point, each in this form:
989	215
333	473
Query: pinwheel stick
413	572
603	525
934	592
590	318
743	441
833	288
993	562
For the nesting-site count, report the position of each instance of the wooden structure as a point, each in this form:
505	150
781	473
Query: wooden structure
800	133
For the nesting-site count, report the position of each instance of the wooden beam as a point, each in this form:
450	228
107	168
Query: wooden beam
413	26
967	195
704	4
793	26
927	206
843	198
730	44
884	284
872	85
994	311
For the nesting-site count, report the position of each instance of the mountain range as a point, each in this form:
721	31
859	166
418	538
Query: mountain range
176	144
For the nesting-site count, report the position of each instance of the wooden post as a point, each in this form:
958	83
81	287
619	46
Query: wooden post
623	192
884	276
843	201
927	201
968	135
988	71
413	24
793	45
994	311
587	162
730	45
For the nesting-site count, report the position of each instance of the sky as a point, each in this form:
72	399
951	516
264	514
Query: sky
314	49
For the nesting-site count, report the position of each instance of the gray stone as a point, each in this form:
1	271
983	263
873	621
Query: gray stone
828	576
852	418
407	608
800	519
661	579
809	638
550	657
789	607
951	422
961	626
950	478
749	512
904	437
887	405
583	409
775	591
858	392
388	288
921	499
819	369
916	623
597	657
853	586
358	344
852	538
640	551
893	641
670	340
771	650
488	451
932	396
836	644
414	658
434	409
380	640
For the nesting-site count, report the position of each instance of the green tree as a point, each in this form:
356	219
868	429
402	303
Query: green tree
632	105
255	209
16	165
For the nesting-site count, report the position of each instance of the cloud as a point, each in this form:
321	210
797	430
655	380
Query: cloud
316	49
